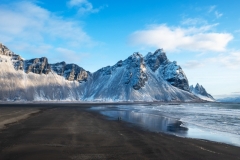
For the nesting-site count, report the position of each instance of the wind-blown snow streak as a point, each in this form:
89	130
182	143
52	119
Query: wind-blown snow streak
18	85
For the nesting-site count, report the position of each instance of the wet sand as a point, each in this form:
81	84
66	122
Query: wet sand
70	131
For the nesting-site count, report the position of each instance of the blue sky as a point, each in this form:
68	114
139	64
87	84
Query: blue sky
202	36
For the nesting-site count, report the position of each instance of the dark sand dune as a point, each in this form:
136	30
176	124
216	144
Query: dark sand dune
60	132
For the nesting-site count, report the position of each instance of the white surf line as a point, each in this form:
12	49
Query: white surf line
16	119
196	145
204	149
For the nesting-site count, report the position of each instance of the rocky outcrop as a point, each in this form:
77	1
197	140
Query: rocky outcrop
5	51
174	74
16	59
37	65
71	72
170	71
201	92
135	75
156	59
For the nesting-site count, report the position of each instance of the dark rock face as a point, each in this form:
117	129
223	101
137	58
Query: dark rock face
136	71
156	59
37	65
200	90
134	74
19	65
170	71
174	74
70	71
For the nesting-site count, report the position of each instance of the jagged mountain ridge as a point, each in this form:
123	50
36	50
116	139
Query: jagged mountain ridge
170	71
137	78
133	79
201	92
71	72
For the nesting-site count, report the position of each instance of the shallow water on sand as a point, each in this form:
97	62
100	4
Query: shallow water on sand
218	122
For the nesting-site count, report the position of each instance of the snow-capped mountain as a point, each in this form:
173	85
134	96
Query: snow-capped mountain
33	80
138	78
230	99
201	92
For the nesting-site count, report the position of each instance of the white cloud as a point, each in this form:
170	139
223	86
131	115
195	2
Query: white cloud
194	21
70	55
178	38
217	14
84	6
211	8
27	21
28	27
193	64
230	60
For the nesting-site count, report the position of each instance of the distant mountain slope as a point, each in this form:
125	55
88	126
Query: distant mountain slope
201	92
230	99
138	78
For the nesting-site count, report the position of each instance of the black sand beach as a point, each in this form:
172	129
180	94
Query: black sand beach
70	131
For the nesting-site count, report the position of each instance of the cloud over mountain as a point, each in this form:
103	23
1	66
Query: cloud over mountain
179	38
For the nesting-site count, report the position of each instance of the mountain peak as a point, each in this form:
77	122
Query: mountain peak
170	71
135	55
5	51
159	51
154	60
201	92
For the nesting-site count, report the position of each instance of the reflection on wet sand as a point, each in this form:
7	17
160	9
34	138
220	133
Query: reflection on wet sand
150	122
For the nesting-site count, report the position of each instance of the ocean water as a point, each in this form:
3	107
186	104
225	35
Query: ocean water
218	122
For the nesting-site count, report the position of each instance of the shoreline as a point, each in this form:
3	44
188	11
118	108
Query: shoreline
107	102
78	133
167	133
